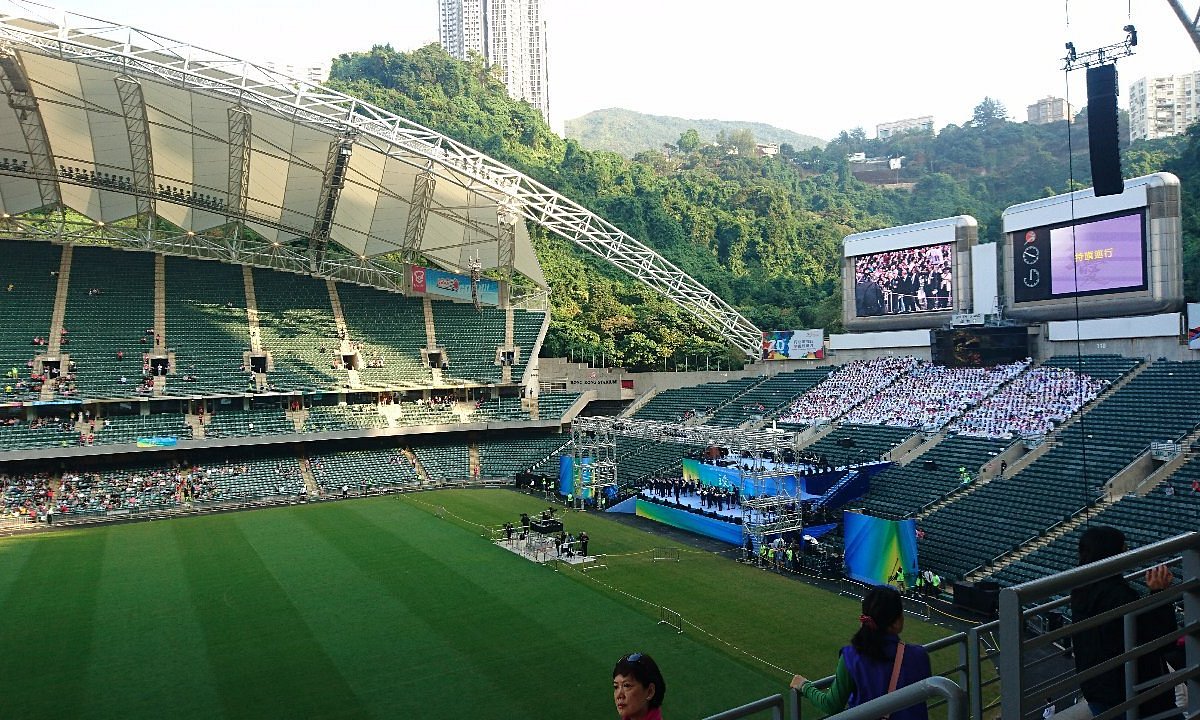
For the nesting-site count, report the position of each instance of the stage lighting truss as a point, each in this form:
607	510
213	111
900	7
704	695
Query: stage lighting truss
1075	60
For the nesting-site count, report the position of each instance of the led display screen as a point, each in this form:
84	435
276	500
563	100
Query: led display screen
1093	256
912	280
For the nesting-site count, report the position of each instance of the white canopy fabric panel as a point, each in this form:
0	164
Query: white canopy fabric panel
190	144
17	194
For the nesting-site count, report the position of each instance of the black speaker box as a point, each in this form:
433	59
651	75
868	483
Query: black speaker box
1102	130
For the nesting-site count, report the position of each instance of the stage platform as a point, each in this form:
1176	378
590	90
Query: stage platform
539	549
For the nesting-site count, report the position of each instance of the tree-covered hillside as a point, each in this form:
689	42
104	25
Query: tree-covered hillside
763	233
628	133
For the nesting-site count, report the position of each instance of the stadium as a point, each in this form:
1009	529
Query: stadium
277	439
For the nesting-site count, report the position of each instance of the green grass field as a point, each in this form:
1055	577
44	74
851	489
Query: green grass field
380	608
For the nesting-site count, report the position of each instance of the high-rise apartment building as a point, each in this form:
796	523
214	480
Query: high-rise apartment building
508	33
1163	106
1048	110
883	131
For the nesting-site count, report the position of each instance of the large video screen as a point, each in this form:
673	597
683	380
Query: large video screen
912	280
1091	257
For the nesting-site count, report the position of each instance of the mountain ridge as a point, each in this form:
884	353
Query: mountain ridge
628	132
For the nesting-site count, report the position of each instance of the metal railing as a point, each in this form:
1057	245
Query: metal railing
917	693
1027	662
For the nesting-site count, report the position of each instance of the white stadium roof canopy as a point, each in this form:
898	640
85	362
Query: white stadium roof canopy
117	123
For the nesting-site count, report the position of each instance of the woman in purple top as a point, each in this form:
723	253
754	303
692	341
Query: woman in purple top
875	662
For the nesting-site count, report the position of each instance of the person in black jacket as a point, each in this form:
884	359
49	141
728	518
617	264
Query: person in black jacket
1096	645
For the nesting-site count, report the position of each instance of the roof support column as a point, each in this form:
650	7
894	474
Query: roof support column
418	214
137	127
15	82
239	176
336	166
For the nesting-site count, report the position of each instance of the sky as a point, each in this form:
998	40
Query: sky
815	67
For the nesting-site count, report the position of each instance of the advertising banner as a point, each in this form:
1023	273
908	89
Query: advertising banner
794	345
1193	325
440	283
147	442
876	548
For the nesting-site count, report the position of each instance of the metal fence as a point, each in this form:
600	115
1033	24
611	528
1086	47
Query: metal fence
1035	662
1028	661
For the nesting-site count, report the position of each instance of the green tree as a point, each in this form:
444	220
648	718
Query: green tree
989	112
689	141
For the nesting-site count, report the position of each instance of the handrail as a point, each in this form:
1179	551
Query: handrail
774	703
915	694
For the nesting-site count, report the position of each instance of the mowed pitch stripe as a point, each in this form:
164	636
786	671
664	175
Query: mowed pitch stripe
383	647
48	635
270	665
447	608
149	644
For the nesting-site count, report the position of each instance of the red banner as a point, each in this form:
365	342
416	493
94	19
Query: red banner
418	278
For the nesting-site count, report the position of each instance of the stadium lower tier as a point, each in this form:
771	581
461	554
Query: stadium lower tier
93	489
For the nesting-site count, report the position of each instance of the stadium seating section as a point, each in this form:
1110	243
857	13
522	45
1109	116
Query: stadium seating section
685	403
28	280
363	470
1169	509
207	327
901	491
444	462
768	396
43	433
471	338
389	328
504	458
1162	403
327	418
296	325
243	423
850	444
851	384
109	321
120	429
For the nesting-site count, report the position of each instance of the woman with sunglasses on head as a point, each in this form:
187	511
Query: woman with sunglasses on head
638	687
875	662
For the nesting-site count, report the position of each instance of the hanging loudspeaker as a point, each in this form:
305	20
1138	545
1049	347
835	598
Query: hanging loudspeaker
1102	130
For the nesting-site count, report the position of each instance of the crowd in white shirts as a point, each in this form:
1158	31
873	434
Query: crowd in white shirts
846	387
1031	405
929	396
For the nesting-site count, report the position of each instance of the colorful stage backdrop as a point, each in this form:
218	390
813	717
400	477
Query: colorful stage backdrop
729	477
876	547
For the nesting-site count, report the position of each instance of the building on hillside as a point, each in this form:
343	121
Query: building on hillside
883	131
767	149
1163	106
875	170
1047	110
508	33
315	74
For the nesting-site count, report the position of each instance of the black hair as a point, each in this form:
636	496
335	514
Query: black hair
642	667
882	606
1099	542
